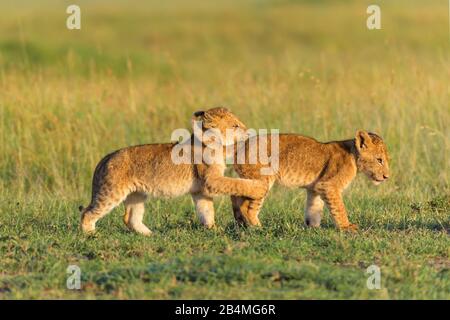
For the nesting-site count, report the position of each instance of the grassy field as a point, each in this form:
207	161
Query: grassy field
135	72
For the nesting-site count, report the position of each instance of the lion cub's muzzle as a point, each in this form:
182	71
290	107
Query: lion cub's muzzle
377	181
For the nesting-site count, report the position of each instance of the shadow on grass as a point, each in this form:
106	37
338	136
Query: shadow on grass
432	226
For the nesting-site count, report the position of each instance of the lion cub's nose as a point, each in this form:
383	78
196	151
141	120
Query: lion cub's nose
385	176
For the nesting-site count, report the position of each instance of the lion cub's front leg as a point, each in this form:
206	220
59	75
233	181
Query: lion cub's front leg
313	209
204	206
239	205
217	185
334	202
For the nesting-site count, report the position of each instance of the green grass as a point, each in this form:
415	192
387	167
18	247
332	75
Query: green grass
136	72
182	260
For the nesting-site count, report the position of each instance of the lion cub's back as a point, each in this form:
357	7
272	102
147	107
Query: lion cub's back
301	160
147	168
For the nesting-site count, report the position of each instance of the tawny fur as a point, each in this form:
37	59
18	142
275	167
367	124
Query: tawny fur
132	174
323	169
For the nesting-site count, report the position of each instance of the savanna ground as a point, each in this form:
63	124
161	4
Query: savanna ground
135	72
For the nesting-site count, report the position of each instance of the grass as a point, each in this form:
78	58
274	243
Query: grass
134	73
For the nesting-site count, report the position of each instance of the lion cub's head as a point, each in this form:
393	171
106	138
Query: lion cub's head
220	125
372	156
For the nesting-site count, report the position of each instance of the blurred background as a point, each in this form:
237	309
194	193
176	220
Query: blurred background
137	70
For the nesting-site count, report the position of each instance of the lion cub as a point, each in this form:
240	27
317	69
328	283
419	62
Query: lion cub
131	174
323	169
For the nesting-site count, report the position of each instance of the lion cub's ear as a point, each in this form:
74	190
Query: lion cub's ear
197	117
198	114
362	140
197	123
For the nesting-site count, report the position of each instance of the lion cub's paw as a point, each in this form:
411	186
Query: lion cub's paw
210	226
88	228
350	228
143	230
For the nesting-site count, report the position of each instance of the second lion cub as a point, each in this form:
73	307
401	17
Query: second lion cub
323	169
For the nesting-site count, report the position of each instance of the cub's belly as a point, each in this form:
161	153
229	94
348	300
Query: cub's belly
169	183
296	178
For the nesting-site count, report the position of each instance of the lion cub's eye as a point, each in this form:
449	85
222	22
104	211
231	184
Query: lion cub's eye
380	161
236	126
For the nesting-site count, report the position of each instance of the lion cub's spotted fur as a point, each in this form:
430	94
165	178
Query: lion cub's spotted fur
131	174
324	169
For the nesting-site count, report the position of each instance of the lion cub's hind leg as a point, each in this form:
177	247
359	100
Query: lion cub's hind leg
254	207
134	213
103	202
313	209
246	210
